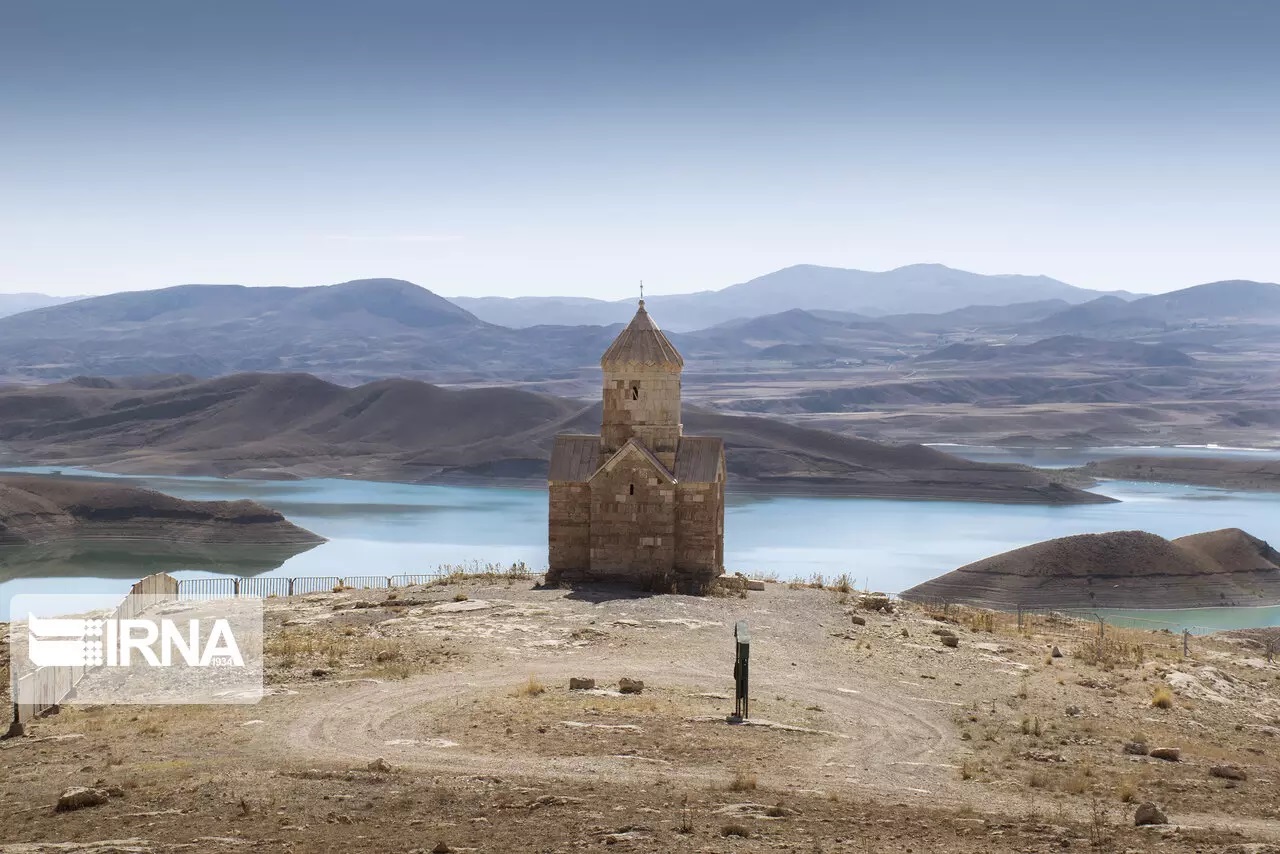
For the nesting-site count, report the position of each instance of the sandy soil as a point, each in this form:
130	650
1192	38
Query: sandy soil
443	715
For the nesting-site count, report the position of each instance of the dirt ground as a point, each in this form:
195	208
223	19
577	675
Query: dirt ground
440	718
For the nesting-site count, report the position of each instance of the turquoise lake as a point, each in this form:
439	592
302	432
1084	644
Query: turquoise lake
890	545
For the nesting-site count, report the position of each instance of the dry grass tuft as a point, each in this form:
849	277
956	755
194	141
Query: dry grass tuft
743	781
1163	697
531	688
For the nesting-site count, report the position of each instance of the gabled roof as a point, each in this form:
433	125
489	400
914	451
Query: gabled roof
641	343
698	459
634	446
574	458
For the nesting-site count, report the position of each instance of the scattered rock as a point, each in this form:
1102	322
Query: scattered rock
581	683
1055	652
1074	711
319	672
1042	756
858	621
441	848
1168	754
949	640
1136	748
877	602
553	801
462	605
79	797
1228	772
381	766
1149	813
630	686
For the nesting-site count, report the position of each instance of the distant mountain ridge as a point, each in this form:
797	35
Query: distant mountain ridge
18	303
1236	300
803	286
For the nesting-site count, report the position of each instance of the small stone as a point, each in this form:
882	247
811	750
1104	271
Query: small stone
1136	748
1168	754
1074	711
380	766
79	797
581	683
630	686
441	848
1149	813
949	640
858	621
1228	772
1055	652
319	672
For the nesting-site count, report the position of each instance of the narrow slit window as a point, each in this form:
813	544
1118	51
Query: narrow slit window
633	489
635	392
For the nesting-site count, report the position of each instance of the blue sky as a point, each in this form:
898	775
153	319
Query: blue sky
574	147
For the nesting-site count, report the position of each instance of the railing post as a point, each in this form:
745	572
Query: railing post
235	587
290	586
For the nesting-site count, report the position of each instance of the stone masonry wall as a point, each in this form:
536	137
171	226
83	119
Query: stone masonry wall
699	523
569	527
644	403
633	537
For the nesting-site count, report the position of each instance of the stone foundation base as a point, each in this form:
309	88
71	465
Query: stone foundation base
681	581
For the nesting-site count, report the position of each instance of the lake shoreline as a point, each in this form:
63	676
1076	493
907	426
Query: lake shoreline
1071	494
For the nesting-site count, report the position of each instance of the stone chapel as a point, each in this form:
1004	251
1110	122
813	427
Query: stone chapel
641	503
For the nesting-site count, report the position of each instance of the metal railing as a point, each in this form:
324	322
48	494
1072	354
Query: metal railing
51	685
267	586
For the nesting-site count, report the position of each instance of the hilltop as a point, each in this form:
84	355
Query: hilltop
441	717
296	425
1120	569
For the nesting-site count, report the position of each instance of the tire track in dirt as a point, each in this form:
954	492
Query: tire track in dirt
882	741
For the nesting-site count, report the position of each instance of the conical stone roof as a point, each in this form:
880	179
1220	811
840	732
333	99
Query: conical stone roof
641	343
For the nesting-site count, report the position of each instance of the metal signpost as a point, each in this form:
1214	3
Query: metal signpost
741	697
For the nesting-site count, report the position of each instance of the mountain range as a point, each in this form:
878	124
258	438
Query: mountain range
295	425
804	286
1198	365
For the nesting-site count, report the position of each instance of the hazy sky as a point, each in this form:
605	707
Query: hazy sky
546	147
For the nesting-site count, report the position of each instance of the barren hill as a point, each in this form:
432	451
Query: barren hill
1085	350
37	510
1203	471
1121	569
1234	301
291	425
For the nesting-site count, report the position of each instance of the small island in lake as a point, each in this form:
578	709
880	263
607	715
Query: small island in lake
36	509
1119	569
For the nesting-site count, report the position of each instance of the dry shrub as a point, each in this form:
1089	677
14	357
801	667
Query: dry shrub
531	688
842	584
1163	697
735	830
1127	790
743	781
